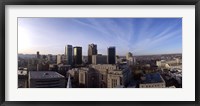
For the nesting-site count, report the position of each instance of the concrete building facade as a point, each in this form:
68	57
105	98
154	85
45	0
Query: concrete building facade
99	59
88	78
92	50
115	78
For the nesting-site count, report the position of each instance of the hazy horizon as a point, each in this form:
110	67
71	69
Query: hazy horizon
140	36
105	54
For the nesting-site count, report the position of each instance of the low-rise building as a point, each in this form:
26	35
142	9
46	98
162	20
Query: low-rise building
102	70
169	63
119	77
42	65
46	79
99	59
53	67
153	80
115	78
32	64
22	79
88	78
62	69
104	67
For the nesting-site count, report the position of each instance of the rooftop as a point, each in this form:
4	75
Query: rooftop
44	75
152	78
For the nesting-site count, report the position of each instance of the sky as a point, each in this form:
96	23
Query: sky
140	36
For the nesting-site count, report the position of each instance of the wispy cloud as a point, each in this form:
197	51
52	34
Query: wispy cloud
137	35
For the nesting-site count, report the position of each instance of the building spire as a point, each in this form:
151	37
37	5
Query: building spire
69	85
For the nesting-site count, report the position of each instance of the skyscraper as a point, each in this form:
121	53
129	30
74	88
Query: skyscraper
69	54
130	59
111	55
38	54
77	55
59	59
129	55
92	50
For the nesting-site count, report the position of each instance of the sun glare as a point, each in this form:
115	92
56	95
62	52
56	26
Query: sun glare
23	40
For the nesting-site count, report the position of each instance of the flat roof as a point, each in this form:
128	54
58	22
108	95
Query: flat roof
44	75
152	78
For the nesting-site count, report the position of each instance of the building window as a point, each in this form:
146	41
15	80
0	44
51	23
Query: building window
81	77
120	80
115	82
112	82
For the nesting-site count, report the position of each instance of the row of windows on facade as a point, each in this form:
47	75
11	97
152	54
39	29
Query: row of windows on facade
114	83
106	67
152	85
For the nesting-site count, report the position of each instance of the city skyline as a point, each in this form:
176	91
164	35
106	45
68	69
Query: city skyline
141	36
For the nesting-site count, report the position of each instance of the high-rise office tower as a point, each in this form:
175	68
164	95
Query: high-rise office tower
59	59
69	54
77	55
38	54
92	50
111	55
129	55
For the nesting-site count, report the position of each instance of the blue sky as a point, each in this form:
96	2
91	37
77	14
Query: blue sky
141	36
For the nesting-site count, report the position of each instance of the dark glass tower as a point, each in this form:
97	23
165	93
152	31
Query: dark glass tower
111	55
77	55
69	54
